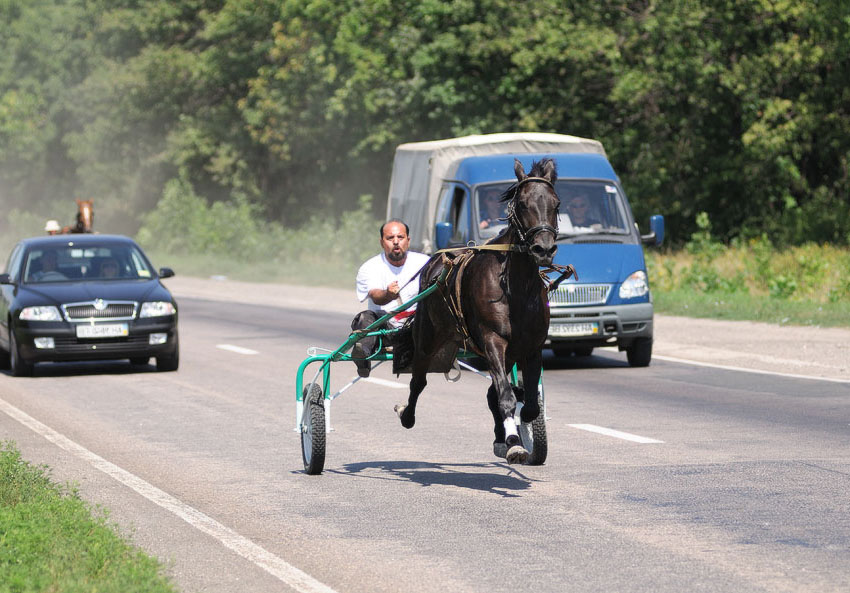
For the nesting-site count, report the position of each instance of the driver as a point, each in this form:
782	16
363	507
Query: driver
384	282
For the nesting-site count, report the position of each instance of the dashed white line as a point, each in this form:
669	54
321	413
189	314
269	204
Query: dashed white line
385	383
626	436
275	566
237	349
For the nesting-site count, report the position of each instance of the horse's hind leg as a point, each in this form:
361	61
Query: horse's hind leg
407	413
499	447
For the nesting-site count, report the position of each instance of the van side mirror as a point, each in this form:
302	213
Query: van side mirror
656	231
443	234
5	279
166	272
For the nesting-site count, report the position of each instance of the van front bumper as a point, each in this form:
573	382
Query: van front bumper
593	327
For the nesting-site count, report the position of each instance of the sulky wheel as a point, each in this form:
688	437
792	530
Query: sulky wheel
538	447
313	431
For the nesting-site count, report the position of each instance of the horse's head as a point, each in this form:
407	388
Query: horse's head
85	215
533	209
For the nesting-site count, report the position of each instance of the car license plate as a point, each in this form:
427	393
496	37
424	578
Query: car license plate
574	329
103	330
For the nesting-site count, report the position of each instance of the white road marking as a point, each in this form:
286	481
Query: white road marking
237	349
745	370
275	566
385	383
615	433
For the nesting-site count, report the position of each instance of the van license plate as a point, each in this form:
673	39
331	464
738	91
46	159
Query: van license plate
106	330
574	329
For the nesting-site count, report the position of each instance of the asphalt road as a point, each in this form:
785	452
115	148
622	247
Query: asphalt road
744	487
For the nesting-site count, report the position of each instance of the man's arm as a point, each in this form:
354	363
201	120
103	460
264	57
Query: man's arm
382	296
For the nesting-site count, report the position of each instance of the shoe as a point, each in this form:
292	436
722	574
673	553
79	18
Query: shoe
364	367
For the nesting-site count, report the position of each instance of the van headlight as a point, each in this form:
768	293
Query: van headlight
634	286
45	313
156	309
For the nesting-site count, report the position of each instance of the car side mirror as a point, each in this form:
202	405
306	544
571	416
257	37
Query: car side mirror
443	234
656	231
5	279
166	272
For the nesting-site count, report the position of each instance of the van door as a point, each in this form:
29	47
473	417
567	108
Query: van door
454	208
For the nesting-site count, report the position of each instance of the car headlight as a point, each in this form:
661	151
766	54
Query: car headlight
44	313
156	309
634	286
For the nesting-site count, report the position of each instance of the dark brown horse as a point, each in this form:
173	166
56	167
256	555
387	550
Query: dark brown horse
494	302
85	218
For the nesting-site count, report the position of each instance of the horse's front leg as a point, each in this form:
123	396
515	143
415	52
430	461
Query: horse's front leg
532	368
505	404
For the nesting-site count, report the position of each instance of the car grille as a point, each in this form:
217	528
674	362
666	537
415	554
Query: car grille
126	345
101	310
580	294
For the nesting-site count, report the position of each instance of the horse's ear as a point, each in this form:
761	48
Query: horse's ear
550	172
519	171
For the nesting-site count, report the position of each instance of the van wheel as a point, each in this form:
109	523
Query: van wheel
640	352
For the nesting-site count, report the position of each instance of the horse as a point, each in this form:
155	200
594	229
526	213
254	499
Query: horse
85	217
494	302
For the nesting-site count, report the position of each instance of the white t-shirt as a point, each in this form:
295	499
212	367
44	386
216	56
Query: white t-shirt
378	272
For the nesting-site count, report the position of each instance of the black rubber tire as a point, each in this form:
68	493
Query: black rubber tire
540	448
169	362
639	353
19	366
313	431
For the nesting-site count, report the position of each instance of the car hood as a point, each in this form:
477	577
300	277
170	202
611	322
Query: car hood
601	263
77	292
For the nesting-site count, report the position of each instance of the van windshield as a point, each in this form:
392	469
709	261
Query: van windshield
590	207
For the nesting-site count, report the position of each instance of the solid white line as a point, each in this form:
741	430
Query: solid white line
743	370
237	349
275	566
385	383
615	433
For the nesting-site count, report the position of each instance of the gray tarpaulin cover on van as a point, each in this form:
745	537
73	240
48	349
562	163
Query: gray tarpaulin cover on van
420	167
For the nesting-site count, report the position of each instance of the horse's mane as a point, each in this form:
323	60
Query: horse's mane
538	169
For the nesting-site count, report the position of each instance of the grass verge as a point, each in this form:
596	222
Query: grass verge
51	540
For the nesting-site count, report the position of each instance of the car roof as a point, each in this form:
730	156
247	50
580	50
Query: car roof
500	167
75	239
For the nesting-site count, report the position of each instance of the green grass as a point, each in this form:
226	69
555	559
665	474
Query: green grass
51	540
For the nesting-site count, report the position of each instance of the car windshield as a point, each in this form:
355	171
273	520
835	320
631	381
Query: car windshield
589	207
70	263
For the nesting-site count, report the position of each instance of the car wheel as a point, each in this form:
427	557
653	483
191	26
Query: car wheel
169	362
4	360
19	366
640	352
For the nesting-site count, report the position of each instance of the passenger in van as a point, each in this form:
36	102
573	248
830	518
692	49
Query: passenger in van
579	208
490	208
385	282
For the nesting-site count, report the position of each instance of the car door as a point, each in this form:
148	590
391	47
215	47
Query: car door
8	293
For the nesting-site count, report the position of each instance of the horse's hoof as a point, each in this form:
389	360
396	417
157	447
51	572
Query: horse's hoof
500	449
407	420
516	455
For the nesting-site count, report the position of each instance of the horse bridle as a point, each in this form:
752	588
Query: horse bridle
527	236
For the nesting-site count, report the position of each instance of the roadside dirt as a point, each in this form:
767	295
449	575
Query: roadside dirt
807	351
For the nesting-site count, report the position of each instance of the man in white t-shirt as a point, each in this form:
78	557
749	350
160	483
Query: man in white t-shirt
385	282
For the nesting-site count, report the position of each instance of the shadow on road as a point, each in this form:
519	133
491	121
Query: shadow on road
495	478
76	369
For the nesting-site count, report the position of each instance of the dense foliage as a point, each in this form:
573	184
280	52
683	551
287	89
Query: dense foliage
289	109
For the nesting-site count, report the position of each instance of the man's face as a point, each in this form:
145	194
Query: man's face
395	242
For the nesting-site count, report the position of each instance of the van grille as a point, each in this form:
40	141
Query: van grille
580	294
123	310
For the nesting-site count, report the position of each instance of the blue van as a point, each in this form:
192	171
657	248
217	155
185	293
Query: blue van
447	191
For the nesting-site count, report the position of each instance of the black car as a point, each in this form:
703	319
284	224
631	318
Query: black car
85	297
